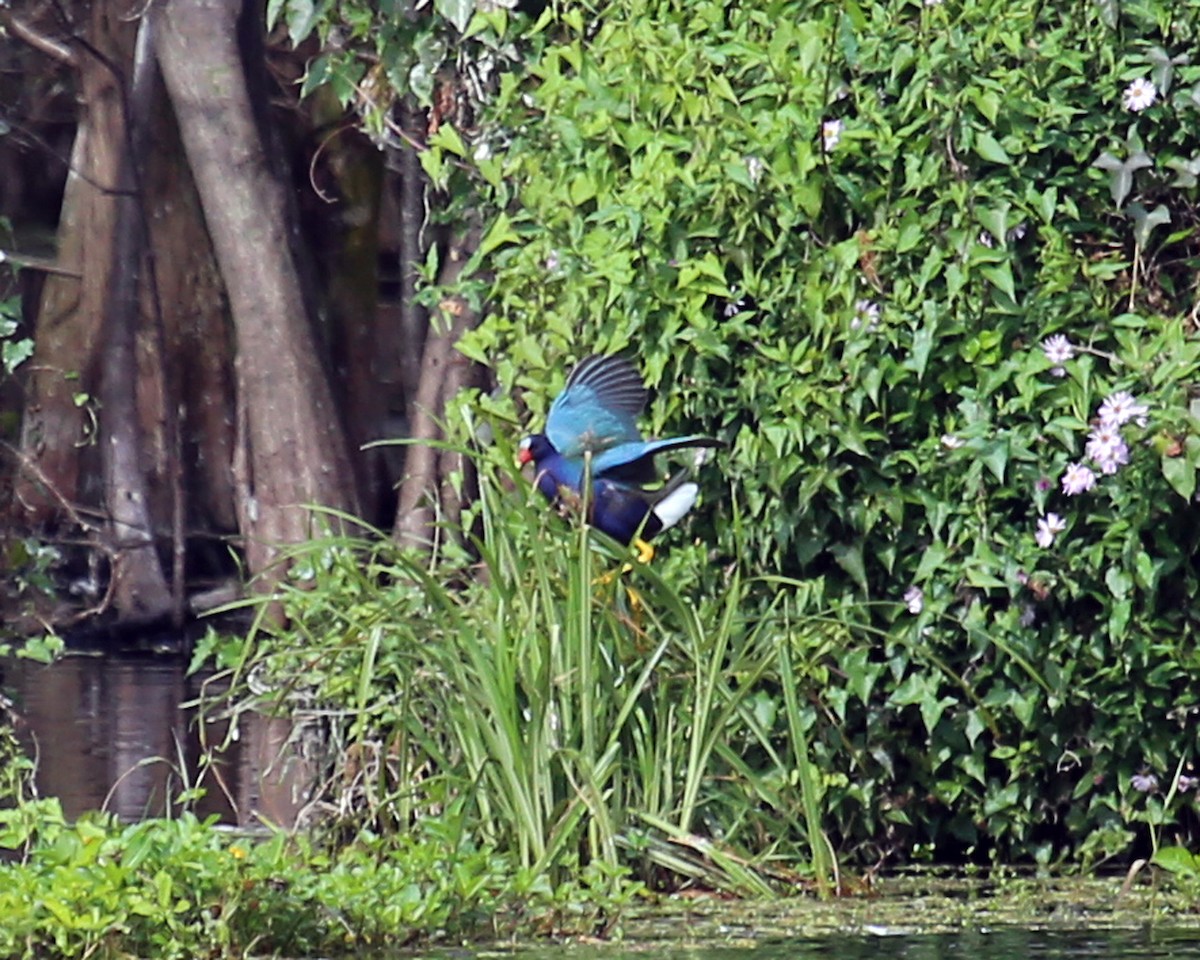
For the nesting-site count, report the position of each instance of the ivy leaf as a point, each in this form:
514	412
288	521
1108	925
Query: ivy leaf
1121	172
1188	98
1001	277
995	220
849	556
458	12
1162	67
1110	12
994	456
1186	171
1145	221
274	8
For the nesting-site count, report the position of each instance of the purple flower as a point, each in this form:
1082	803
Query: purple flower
1048	527
1106	448
1144	782
1058	350
1120	407
1077	479
914	599
1186	783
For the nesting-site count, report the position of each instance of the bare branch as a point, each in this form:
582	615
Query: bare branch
50	46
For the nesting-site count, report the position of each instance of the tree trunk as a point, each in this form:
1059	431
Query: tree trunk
75	454
414	319
443	369
294	453
139	588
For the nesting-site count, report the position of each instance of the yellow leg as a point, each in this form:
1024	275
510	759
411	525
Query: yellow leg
645	550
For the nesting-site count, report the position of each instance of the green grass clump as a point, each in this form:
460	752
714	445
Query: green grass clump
553	702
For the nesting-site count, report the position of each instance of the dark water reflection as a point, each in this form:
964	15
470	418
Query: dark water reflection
996	944
109	732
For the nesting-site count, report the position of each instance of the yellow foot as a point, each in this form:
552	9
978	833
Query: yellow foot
645	551
606	578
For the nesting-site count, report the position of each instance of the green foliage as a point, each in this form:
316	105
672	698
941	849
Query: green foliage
180	888
443	57
840	235
836	236
14	349
553	702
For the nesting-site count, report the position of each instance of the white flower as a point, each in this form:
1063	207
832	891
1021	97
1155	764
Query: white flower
1077	479
1058	350
1139	95
552	261
986	239
735	304
831	133
914	599
865	312
1048	527
951	442
1120	407
754	169
1113	459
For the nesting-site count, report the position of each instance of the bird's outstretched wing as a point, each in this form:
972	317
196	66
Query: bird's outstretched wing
633	462
598	407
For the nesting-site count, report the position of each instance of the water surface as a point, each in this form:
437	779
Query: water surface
984	944
110	733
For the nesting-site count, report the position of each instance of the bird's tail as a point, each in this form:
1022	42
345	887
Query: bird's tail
676	500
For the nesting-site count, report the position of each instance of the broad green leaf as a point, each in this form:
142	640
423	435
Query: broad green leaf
1001	277
1178	860
498	234
301	18
989	148
1181	475
447	138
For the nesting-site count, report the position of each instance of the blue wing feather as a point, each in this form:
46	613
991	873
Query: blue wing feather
633	461
598	407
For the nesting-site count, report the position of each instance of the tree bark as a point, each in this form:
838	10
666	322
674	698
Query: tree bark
294	452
